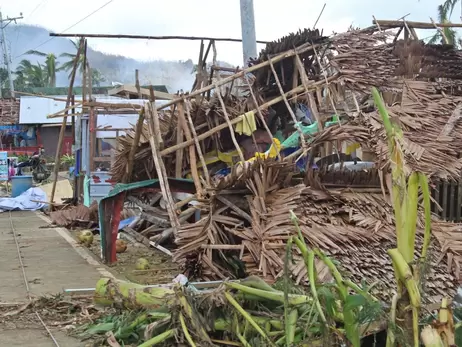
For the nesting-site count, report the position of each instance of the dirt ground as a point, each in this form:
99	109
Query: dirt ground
161	268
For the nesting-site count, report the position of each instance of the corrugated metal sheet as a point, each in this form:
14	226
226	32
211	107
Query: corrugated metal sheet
100	185
34	110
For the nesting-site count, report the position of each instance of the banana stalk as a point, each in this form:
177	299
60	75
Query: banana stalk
405	206
186	333
109	291
278	296
161	338
308	257
247	317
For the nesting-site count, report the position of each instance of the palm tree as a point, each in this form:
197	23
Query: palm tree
444	14
96	77
31	75
51	66
67	66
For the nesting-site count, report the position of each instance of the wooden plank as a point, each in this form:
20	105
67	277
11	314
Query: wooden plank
143	91
64	123
459	202
102	159
415	25
452	200
438	197
445	201
92	133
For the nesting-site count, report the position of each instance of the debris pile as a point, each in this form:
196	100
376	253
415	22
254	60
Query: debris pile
216	176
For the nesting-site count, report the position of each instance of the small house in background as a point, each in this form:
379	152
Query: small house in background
34	110
15	138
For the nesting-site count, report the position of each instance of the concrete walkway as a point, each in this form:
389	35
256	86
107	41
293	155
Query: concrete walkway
52	261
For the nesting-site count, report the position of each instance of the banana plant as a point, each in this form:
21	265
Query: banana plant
405	197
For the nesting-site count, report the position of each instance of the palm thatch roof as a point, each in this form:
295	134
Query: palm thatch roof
245	216
355	226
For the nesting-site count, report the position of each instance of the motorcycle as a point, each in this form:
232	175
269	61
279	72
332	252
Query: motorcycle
38	165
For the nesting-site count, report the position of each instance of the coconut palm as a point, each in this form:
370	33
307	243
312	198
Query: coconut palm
444	14
68	65
32	75
51	66
97	78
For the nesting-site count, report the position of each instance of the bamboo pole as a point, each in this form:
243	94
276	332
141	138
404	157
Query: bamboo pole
192	152
153	129
136	140
230	126
262	118
298	90
302	49
144	37
416	25
291	112
64	123
198	146
179	153
75	193
306	82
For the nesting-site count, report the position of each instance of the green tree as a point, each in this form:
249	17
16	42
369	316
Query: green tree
31	75
444	15
97	78
68	65
51	66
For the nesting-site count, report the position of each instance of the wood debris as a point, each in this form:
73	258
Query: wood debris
244	220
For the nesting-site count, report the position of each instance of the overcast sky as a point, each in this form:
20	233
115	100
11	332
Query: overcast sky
217	18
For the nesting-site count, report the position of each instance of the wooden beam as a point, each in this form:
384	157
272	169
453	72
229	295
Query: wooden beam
64	123
299	50
144	37
299	89
144	92
416	25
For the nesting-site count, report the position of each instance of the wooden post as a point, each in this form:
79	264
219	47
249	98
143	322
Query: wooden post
92	119
75	194
73	120
64	122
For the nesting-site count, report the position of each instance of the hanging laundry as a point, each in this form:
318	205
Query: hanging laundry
248	124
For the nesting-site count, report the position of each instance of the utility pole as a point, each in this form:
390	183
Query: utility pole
249	37
6	56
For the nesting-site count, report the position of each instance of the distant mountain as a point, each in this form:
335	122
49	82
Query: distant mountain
115	68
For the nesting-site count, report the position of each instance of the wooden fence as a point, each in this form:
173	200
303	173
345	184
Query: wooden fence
447	200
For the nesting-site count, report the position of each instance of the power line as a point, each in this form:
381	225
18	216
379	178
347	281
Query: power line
6	54
36	8
28	18
73	25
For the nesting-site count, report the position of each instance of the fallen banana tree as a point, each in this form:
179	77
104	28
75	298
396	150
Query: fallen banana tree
245	313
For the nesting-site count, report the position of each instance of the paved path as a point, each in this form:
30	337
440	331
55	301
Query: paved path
52	261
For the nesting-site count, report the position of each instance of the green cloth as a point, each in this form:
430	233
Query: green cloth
293	140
